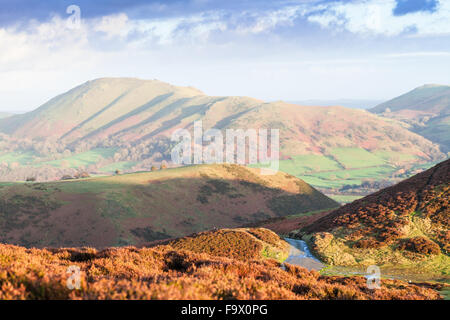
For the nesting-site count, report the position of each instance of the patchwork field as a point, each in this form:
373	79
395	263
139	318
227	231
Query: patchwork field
83	159
349	168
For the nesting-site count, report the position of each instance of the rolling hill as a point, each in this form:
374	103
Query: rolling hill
131	111
124	123
425	109
143	207
177	271
406	225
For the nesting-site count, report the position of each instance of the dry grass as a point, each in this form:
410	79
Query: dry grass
163	272
241	244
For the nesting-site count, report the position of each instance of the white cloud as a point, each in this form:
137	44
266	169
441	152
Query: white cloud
264	21
422	54
376	17
198	27
40	60
113	26
181	29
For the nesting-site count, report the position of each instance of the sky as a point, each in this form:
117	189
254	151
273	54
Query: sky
287	50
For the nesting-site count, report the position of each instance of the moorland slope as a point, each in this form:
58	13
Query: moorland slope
407	225
165	272
142	207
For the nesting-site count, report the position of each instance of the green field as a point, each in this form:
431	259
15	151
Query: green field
23	158
302	164
347	166
343	166
337	179
351	158
77	160
392	156
85	158
121	165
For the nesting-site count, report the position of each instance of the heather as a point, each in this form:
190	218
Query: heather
241	244
137	208
163	272
406	224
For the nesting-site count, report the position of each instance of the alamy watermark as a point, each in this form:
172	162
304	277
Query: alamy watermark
211	146
74	279
373	277
74	20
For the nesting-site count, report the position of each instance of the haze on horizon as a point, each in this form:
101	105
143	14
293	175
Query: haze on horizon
272	50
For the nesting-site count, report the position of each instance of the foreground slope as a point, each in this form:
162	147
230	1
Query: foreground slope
426	109
406	224
167	272
142	207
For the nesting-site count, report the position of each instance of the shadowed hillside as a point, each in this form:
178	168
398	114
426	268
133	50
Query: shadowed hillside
142	207
165	272
404	224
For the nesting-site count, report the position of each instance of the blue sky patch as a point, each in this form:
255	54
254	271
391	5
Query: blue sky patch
409	6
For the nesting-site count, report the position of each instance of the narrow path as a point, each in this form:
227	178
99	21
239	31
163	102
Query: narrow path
301	256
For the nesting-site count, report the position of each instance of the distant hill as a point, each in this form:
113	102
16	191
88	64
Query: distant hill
406	224
348	103
429	98
132	111
426	109
237	267
143	207
125	124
